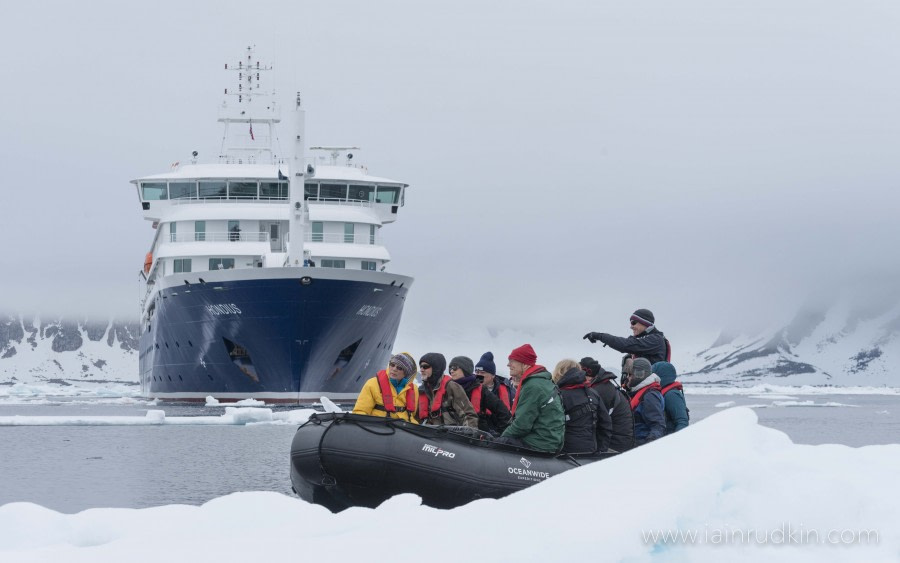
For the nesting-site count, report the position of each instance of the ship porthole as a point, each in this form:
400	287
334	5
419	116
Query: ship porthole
305	280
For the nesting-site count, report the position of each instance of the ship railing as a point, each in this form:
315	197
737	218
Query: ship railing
339	238
217	199
340	201
219	237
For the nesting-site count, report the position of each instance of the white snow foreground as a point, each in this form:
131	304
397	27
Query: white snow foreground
723	476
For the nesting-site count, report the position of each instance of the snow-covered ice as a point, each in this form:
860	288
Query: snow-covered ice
729	481
232	416
767	391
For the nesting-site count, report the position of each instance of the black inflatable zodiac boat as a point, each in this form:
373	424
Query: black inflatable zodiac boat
340	460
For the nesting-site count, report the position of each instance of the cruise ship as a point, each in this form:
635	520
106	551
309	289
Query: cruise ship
267	277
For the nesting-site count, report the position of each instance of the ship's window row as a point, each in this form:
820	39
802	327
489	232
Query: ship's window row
215	189
271	231
268	190
185	265
322	191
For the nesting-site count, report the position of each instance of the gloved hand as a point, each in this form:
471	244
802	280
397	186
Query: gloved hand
592	336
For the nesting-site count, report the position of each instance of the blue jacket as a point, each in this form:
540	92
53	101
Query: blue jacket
677	414
649	415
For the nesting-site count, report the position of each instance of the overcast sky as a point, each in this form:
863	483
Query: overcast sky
569	162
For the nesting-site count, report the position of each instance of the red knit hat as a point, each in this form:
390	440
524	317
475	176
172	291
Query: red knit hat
525	354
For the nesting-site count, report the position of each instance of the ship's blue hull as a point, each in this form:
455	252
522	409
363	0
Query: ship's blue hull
289	339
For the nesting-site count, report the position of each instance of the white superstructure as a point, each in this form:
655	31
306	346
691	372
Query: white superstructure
247	210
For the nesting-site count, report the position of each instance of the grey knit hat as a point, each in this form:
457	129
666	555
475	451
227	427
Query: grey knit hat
464	363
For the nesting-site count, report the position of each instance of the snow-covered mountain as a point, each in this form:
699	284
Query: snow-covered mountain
849	342
67	351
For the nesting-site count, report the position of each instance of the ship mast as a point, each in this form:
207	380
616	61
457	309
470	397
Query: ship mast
249	114
297	227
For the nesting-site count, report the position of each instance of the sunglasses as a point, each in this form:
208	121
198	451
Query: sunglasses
424	366
395	365
633	323
454	368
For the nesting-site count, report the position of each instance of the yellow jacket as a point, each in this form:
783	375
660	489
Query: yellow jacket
370	401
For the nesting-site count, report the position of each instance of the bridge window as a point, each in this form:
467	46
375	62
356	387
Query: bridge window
182	265
317	235
213	190
221	263
273	190
368	265
362	193
387	194
199	230
152	191
311	191
328	263
242	190
348	232
333	191
182	190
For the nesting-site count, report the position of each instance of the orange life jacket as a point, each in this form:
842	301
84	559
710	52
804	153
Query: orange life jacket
387	396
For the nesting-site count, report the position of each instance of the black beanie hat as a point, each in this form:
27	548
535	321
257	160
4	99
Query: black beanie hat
438	364
591	366
643	316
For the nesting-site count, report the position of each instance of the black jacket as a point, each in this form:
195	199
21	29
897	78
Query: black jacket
499	417
650	344
588	426
619	408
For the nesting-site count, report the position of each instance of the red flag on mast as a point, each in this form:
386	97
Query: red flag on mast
252	138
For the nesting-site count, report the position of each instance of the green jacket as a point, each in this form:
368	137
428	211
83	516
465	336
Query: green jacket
539	420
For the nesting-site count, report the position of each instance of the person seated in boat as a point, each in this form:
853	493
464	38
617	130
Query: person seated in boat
442	402
538	422
500	386
616	402
493	415
392	392
646	341
646	401
677	413
588	426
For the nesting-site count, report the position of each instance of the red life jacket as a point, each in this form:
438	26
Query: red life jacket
504	395
670	386
534	369
435	409
476	399
636	400
387	396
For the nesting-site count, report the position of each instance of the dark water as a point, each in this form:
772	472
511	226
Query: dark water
71	468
